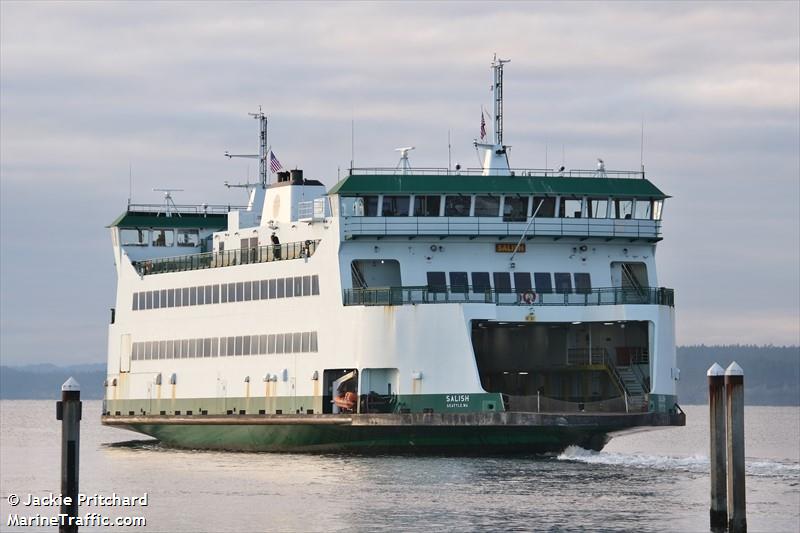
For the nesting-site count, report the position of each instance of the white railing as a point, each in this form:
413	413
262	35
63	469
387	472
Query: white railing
494	226
528	172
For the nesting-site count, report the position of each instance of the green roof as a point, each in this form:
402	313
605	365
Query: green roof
450	184
150	219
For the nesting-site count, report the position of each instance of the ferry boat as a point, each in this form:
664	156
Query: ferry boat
486	310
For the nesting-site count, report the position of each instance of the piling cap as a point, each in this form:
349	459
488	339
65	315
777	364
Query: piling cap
71	385
715	370
734	370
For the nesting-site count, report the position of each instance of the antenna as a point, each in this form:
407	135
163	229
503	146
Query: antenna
641	149
449	153
262	148
130	182
403	164
497	66
352	144
169	203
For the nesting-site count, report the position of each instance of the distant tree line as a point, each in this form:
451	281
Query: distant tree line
772	375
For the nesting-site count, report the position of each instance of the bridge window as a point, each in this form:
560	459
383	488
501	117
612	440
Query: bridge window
457	206
395	206
134	237
163	237
480	282
544	282
658	205
570	208
544	207
644	210
563	282
459	281
598	207
583	283
370	206
188	237
515	208
427	206
623	209
487	206
522	281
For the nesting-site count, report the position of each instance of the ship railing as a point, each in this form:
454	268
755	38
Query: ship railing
527	298
500	226
226	258
539	403
177	210
527	172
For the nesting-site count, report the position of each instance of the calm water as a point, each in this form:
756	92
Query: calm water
650	481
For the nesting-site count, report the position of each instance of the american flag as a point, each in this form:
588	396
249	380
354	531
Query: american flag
274	164
483	126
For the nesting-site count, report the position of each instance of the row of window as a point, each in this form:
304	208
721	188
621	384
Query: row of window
273	343
501	282
159	237
510	207
242	291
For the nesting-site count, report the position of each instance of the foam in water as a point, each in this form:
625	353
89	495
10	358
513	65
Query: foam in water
695	463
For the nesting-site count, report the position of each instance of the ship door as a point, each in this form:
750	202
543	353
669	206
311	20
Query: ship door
125	353
340	390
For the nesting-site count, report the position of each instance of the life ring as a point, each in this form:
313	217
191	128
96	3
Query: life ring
528	297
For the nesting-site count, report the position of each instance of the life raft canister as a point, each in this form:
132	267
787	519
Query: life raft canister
528	297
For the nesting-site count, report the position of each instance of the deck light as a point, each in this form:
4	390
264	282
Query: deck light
576	323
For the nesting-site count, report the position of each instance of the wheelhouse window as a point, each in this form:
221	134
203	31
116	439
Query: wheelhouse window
427	206
163	237
487	206
134	236
563	282
623	209
583	283
598	207
658	205
395	206
188	237
515	209
480	282
457	206
544	282
644	210
370	206
570	208
437	282
544	207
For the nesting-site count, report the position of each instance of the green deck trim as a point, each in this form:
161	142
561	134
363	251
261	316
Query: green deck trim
545	186
138	219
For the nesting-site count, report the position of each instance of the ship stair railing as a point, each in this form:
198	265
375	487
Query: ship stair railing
527	172
600	228
227	258
449	294
630	280
625	378
358	277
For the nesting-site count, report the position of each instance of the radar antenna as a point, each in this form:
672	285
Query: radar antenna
403	164
169	203
497	66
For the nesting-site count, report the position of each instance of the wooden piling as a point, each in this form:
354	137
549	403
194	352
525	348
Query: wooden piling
68	410
718	512
734	392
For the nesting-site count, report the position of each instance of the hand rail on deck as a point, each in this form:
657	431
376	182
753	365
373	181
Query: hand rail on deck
241	256
470	294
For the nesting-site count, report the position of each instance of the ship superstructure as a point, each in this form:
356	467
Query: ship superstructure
491	309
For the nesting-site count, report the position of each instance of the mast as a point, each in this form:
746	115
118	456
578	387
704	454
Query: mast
262	148
497	67
493	156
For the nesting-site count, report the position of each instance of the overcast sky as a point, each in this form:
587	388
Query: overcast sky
88	88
